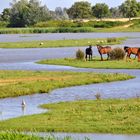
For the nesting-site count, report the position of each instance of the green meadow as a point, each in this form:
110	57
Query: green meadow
91	116
17	83
95	63
61	43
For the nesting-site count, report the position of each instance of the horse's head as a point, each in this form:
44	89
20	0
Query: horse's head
90	46
99	46
126	48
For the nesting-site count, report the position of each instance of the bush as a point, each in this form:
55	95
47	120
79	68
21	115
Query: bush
80	55
117	54
113	39
3	24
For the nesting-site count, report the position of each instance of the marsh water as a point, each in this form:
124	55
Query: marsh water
24	59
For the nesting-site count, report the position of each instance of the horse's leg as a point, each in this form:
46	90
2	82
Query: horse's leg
138	54
86	57
107	56
135	56
101	57
89	57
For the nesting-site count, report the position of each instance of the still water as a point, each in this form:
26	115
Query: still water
61	36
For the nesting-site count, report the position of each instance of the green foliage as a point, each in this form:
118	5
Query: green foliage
24	13
3	24
66	23
80	10
130	8
100	10
19	136
117	54
115	12
6	15
136	23
113	39
80	54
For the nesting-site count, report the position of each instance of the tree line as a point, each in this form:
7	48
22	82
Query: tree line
24	13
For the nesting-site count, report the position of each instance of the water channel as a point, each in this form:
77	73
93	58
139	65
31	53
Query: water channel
24	59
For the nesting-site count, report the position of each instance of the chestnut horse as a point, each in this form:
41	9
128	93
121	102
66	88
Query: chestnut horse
89	52
138	54
131	50
104	50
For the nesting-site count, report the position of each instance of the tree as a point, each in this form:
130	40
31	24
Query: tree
130	8
19	13
6	14
80	10
25	13
100	10
61	13
115	12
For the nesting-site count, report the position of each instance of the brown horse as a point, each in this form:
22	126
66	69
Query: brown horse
130	50
138	54
104	50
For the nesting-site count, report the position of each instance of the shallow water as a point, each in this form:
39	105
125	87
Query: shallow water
90	136
11	107
60	36
23	59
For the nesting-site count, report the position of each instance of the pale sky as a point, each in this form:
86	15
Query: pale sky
52	4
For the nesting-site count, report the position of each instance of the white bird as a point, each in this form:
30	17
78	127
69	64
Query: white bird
23	104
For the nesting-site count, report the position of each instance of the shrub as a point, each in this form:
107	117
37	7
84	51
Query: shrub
113	39
80	54
3	24
98	96
117	54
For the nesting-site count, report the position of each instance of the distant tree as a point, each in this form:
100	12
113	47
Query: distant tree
115	12
45	13
100	10
65	14
81	10
130	8
138	4
6	14
61	13
19	13
25	13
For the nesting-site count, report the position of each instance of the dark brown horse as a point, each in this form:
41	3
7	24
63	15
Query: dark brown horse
138	54
104	50
89	52
131	50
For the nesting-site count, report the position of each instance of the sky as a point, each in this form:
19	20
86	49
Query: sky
52	4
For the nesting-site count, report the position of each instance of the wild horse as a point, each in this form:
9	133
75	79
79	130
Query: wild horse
89	52
138	54
131	50
104	50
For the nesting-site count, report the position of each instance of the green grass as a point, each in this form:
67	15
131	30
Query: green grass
16	83
67	30
91	116
19	136
95	63
59	43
